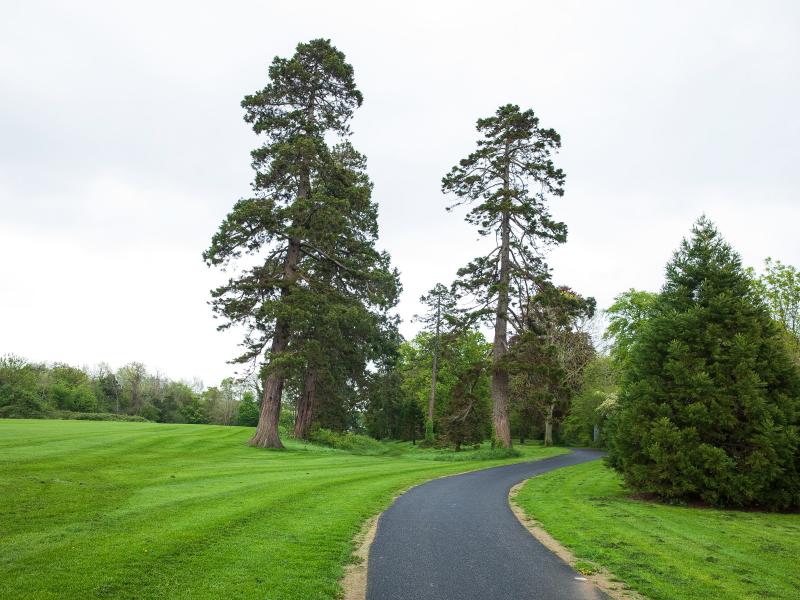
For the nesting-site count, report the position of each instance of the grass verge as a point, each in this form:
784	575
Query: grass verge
665	552
144	510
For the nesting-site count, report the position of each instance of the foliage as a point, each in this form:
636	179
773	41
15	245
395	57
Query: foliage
627	316
547	357
351	442
94	416
591	405
20	394
709	405
462	391
466	417
247	413
665	552
61	391
507	181
779	285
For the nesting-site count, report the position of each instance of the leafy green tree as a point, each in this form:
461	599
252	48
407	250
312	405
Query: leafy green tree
107	389
132	378
311	225
19	383
779	285
441	305
70	389
627	316
589	407
547	357
461	351
247	411
466	417
508	181
709	406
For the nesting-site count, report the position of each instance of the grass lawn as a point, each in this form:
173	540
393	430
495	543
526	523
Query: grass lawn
667	552
138	510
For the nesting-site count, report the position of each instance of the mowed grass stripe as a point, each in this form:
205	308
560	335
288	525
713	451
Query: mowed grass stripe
666	552
140	510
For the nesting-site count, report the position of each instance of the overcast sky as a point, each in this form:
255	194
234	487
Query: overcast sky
122	146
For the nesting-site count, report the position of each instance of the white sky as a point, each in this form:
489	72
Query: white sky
122	146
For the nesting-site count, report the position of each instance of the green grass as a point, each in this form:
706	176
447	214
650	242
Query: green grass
666	552
141	510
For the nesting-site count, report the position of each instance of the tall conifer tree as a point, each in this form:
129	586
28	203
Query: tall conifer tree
709	407
310	226
508	181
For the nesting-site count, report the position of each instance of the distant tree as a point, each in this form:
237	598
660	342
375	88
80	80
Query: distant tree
19	383
441	305
779	285
70	389
309	235
508	181
132	378
589	407
627	316
176	395
547	357
107	388
460	353
247	411
193	412
709	406
466	418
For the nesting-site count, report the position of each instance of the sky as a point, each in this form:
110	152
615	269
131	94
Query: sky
122	147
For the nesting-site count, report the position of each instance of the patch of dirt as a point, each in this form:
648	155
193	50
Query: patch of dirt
599	576
354	582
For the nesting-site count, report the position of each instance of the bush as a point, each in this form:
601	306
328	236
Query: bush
483	454
351	442
709	405
90	416
247	413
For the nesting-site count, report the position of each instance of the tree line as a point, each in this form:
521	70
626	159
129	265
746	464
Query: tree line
131	393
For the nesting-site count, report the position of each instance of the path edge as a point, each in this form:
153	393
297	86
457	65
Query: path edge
601	578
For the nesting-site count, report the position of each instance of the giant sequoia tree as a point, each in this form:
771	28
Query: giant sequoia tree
508	181
709	406
309	230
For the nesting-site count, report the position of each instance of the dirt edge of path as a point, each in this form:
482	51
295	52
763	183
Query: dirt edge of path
354	582
601	577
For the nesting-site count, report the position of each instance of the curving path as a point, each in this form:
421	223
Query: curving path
456	539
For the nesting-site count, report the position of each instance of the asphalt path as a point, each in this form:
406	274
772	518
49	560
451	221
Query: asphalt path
456	538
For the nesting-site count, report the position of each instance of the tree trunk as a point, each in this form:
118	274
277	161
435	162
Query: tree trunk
267	434
305	405
500	345
548	426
